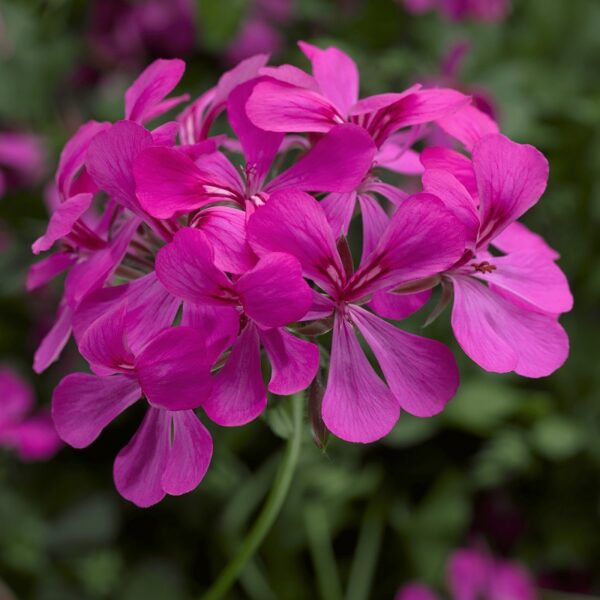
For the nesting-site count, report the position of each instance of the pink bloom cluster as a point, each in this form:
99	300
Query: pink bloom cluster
476	575
195	262
32	436
458	10
22	160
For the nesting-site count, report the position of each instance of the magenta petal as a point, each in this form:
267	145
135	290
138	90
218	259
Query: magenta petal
451	161
48	268
274	292
62	221
174	369
260	146
501	336
51	346
357	406
150	88
421	373
104	344
167	182
339	209
511	178
336	74
511	580
517	238
189	455
415	591
533	279
294	362
186	268
468	125
292	75
469	573
34	438
219	325
139	467
374	220
225	229
294	222
110	159
17	397
338	162
277	106
395	158
423	239
398	306
73	155
239	394
83	405
166	134
150	309
455	196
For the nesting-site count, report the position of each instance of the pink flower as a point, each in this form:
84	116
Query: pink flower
171	451
32	436
293	101
421	374
253	310
506	308
458	10
22	160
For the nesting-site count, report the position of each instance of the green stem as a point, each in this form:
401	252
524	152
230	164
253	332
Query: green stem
366	553
269	512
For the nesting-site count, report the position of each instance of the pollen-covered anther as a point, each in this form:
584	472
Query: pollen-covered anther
484	267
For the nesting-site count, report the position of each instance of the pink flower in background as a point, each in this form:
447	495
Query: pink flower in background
458	10
22	160
128	32
32	435
476	575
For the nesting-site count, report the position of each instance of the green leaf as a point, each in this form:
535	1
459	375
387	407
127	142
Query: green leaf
557	437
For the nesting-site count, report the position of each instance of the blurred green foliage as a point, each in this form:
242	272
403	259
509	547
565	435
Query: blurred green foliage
65	533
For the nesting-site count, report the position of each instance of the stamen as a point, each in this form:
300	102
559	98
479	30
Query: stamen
483	267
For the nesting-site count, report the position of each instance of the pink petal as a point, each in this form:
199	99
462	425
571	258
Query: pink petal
511	581
338	162
139	467
34	439
110	158
219	325
166	134
468	574
377	102
239	394
17	397
415	591
501	336
511	178
186	268
89	275
48	268
451	161
406	162
357	406
143	99
73	155
55	340
374	220
455	196
83	405
104	344
421	373
518	238
274	292
292	75
423	239
150	309
398	306
339	209
277	106
336	74
294	362
225	229
260	146
62	221
531	278
468	125
189	455
294	222
174	369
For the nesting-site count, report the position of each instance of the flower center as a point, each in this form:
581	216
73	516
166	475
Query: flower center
483	267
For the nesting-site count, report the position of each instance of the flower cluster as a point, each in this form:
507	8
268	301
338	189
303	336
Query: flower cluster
197	262
473	574
458	10
32	436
